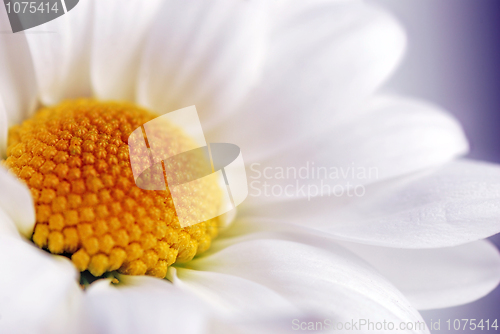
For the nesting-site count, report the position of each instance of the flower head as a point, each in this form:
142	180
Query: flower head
290	83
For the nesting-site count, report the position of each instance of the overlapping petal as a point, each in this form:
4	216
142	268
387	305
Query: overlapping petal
120	30
17	203
205	53
455	204
437	278
17	87
60	50
39	292
325	58
4	129
142	305
7	226
393	136
311	272
232	296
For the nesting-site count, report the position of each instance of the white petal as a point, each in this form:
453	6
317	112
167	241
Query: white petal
232	296
324	61
227	219
437	278
455	204
142	305
394	136
7	226
16	201
206	53
121	27
4	129
39	292
314	274
17	83
60	50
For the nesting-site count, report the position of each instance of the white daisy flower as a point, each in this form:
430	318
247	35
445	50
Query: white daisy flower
290	83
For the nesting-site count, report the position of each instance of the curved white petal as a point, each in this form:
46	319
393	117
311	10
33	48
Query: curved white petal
313	273
120	29
324	60
455	204
393	136
4	129
142	305
60	50
437	278
17	84
38	292
206	53
232	296
16	201
7	226
227	219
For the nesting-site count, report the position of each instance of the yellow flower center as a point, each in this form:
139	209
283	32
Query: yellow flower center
74	158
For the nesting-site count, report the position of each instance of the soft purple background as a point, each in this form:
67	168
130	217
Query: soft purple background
453	60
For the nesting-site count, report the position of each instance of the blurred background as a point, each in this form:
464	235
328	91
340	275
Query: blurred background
453	60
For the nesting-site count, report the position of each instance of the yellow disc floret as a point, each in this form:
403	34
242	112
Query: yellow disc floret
74	158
